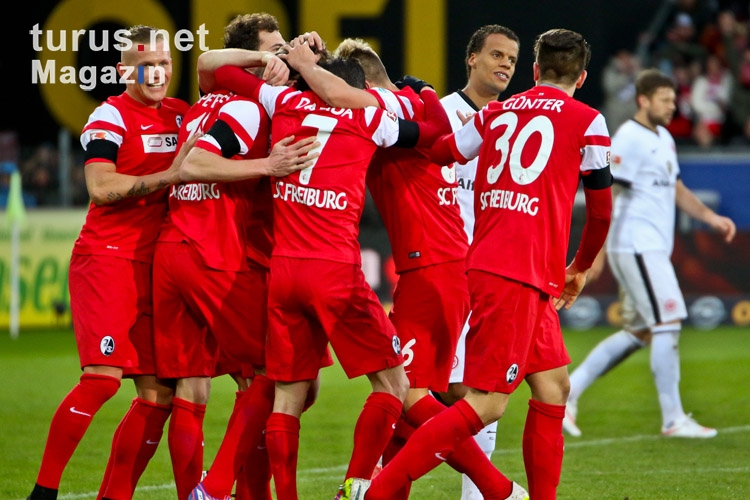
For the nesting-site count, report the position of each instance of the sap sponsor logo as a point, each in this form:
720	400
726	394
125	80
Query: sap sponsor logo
195	191
312	197
159	143
509	200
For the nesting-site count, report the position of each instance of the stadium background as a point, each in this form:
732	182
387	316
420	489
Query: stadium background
421	37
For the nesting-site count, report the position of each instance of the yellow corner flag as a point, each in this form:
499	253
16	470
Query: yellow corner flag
15	210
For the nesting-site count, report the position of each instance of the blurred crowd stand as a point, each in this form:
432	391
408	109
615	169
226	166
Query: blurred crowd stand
704	45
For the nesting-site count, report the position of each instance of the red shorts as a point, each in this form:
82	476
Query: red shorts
199	310
312	302
229	365
512	332
430	306
110	302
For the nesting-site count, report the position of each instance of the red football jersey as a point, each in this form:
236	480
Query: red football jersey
533	148
214	216
416	198
317	210
146	141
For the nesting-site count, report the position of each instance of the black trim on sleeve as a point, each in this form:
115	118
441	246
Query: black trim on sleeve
598	179
408	134
101	148
224	135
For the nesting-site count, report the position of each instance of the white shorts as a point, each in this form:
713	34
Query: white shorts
457	372
649	290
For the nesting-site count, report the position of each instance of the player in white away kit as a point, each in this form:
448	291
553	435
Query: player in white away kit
645	170
491	57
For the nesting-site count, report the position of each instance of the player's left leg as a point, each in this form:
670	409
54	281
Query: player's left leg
542	435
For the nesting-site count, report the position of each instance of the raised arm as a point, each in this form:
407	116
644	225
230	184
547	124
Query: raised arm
275	73
332	89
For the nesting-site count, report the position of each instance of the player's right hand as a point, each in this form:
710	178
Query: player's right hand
575	280
287	157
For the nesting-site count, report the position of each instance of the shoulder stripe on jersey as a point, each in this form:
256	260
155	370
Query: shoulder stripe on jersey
597	179
101	149
622	182
225	137
115	128
597	140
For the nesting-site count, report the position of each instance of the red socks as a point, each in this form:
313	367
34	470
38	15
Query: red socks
244	432
543	449
282	440
254	478
186	444
134	443
70	422
372	432
467	458
430	445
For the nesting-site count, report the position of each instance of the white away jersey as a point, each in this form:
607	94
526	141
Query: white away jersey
644	162
465	172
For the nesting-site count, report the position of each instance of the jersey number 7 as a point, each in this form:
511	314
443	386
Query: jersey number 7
325	125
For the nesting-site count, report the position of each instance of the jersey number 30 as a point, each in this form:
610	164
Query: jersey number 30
511	153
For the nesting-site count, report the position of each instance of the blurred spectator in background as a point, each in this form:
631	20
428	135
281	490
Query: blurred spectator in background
39	175
709	98
618	84
681	126
737	52
680	47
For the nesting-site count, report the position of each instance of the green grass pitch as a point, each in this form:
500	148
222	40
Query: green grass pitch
620	455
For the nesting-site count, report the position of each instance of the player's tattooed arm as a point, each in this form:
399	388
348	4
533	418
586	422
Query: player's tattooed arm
105	185
141	190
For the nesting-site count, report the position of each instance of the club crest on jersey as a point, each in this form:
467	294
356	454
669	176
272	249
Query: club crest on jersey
178	120
396	343
107	345
512	373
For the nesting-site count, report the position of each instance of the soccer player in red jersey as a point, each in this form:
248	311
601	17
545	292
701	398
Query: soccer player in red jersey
242	454
491	60
317	290
534	148
130	142
418	204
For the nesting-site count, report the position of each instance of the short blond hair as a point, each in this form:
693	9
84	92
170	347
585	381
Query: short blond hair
365	55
